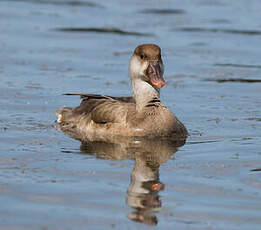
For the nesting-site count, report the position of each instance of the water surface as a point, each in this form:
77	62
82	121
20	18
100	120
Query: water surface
212	53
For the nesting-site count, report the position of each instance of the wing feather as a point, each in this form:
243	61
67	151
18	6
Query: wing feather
98	96
104	109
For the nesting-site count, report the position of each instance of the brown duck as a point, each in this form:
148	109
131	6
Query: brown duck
100	116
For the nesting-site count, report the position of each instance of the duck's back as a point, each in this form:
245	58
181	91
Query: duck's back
97	115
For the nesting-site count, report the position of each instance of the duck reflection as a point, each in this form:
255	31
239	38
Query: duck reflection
145	184
142	194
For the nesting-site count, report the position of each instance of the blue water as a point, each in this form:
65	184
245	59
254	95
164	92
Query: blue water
212	53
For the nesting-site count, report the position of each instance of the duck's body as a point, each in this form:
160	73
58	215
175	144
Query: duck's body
141	115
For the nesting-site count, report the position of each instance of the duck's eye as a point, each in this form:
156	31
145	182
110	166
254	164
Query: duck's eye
142	56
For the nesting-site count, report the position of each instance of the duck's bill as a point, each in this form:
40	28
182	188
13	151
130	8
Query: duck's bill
155	75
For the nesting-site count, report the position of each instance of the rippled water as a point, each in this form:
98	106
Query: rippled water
212	54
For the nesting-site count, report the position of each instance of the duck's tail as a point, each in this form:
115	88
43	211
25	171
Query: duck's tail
66	116
67	121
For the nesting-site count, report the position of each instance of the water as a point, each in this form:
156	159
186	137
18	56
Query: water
211	51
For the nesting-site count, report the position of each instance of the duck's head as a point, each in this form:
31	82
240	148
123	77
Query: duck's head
146	64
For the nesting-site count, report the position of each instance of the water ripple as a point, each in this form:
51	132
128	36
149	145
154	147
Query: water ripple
217	30
102	30
163	11
61	3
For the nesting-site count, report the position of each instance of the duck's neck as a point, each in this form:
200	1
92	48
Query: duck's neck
144	93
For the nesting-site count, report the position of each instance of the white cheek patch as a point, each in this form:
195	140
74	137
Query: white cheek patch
144	66
136	66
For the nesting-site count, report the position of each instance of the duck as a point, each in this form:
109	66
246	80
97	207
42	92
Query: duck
142	115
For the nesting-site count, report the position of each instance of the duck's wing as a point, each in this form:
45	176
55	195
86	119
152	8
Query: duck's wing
104	109
98	96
